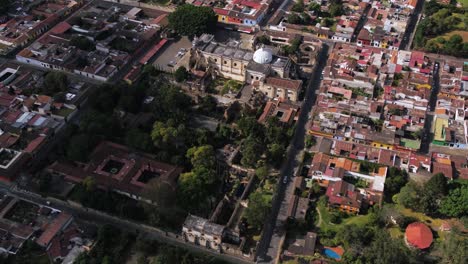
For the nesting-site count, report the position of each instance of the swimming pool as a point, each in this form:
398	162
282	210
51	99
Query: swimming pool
331	254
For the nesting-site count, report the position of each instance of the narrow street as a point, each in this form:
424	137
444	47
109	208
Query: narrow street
427	135
270	243
362	21
411	27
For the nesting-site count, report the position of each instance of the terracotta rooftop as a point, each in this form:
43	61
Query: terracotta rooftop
53	228
284	83
418	235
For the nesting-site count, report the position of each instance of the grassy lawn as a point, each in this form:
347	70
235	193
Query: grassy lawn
463	34
464	3
357	220
64	112
433	223
395	232
414	144
350	220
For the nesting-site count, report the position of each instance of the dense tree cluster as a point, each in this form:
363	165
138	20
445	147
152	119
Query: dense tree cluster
271	139
4	5
198	187
396	179
55	82
436	196
111	246
190	20
258	209
438	20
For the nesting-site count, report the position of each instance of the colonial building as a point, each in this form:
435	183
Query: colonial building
266	71
344	196
200	231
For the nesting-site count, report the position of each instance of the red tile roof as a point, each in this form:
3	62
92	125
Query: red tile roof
284	83
53	228
418	235
34	144
152	51
60	28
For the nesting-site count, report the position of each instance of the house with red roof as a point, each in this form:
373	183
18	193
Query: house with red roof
418	235
343	196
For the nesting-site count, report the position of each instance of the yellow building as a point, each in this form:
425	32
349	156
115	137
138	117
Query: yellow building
439	129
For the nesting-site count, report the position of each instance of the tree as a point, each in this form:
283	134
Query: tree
310	141
455	203
385	250
396	179
170	103
454	45
4	5
55	82
138	139
294	18
314	7
203	156
298	6
251	152
454	249
192	193
258	209
275	154
409	195
83	43
167	135
437	185
79	147
264	39
262	173
208	104
355	237
336	9
181	74
161	193
293	48
190	20
249	126
89	183
274	132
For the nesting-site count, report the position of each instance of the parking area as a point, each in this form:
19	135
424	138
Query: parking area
173	55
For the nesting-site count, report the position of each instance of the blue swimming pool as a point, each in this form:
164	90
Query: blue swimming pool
331	254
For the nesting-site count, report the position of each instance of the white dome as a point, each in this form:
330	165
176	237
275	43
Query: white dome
263	56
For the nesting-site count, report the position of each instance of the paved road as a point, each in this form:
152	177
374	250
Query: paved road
427	135
411	27
269	245
99	218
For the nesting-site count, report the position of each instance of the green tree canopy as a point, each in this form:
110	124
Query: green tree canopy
409	195
385	250
396	179
258	209
262	172
190	20
203	156
55	82
138	139
455	204
181	74
454	249
251	151
168	134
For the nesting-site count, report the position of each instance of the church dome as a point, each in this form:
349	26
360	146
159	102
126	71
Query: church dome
263	56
